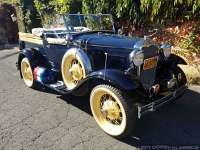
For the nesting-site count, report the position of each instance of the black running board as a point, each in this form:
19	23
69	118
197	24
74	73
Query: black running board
59	87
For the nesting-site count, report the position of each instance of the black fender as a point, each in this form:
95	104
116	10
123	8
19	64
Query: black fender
28	53
34	57
21	45
177	59
112	77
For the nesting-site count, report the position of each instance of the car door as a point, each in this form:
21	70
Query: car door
54	54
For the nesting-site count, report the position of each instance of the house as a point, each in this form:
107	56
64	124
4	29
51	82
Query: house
8	24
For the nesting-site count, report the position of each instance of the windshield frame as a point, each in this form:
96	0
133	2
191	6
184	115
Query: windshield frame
96	15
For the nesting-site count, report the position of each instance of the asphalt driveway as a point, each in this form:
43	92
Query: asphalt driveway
40	120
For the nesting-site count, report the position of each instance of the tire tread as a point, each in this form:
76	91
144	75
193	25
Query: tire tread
131	112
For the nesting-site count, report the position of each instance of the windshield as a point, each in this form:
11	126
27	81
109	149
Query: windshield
90	22
83	23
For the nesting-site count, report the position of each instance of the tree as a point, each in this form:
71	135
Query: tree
27	16
137	12
45	7
162	10
98	6
145	11
129	10
48	8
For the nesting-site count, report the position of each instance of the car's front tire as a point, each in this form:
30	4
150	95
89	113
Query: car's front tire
180	75
27	73
113	111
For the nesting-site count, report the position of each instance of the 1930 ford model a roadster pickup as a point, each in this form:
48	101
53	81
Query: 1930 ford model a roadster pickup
81	54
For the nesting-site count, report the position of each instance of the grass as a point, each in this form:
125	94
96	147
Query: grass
192	73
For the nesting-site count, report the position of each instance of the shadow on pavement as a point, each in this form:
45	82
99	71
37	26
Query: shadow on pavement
8	46
177	123
8	55
81	102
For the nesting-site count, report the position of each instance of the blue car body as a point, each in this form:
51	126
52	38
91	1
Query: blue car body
117	47
109	56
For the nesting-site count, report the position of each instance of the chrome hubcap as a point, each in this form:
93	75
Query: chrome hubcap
26	72
72	70
76	71
110	109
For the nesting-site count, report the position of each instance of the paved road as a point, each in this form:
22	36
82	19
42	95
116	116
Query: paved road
36	120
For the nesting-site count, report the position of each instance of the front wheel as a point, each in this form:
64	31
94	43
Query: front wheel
180	75
113	111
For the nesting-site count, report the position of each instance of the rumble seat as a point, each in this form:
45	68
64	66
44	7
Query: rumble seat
31	38
51	36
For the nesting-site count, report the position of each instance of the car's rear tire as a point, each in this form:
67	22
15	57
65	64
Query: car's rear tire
113	111
27	73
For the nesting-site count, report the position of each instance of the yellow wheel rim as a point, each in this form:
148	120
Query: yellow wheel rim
108	111
27	72
72	71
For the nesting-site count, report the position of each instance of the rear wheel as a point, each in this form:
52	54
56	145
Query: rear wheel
113	112
27	73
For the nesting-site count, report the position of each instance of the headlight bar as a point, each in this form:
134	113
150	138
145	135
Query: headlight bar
166	50
137	56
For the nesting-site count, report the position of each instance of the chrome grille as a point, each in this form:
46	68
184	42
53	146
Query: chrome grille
148	76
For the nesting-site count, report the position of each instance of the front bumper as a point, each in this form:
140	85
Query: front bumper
144	109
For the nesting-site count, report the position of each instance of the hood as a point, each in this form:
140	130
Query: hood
109	40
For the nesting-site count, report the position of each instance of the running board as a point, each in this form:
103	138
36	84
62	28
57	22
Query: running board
59	87
144	109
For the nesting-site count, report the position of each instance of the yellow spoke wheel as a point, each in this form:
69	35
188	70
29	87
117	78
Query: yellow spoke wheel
26	72
73	70
112	111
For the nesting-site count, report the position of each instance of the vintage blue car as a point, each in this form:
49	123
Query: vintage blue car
82	54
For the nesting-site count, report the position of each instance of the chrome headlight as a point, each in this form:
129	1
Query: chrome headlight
166	49
137	56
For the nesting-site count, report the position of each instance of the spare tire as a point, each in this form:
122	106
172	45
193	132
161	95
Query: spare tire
75	67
